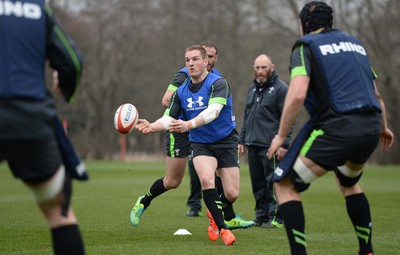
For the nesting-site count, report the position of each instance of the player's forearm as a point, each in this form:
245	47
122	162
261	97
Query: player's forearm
161	124
156	126
383	107
289	114
206	116
198	121
293	103
167	97
384	118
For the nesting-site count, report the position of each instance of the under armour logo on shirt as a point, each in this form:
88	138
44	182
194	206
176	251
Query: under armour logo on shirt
191	102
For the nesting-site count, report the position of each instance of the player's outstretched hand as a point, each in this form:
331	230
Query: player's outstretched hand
143	126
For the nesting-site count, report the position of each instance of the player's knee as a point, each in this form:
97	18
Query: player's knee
49	190
172	183
231	195
347	177
302	176
298	183
207	182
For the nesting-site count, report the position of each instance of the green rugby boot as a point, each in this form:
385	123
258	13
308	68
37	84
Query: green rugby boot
277	224
137	212
239	222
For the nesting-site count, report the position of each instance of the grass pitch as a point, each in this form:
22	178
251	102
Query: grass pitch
103	204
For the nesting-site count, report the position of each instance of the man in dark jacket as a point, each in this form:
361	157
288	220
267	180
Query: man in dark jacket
262	114
30	36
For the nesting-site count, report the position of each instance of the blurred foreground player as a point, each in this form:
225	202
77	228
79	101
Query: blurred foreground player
29	127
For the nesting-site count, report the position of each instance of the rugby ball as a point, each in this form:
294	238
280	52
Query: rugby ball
125	118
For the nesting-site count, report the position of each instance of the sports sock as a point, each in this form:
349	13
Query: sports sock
227	207
67	240
229	212
218	185
293	216
155	190
358	210
213	204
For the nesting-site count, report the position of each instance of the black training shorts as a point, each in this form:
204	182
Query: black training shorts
330	151
177	145
225	150
31	161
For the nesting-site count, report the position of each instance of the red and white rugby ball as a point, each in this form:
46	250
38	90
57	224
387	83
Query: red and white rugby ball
125	118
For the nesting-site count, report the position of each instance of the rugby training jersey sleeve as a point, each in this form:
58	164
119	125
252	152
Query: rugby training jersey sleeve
220	92
300	62
374	74
63	56
179	79
174	108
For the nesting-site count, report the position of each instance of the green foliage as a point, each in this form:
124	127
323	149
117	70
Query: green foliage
102	206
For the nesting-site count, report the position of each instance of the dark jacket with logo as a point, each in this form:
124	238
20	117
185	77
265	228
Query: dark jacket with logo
262	112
